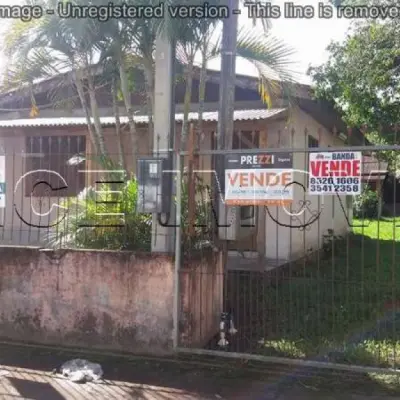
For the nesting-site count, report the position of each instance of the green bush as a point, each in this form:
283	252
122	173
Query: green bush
83	227
366	204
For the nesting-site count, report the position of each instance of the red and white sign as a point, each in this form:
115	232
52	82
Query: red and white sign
258	179
335	172
258	186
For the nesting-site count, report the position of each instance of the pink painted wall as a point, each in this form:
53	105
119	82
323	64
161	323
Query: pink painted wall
99	299
201	300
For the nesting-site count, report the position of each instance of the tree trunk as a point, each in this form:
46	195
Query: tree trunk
149	81
228	76
226	104
121	155
202	90
96	115
186	107
81	93
129	109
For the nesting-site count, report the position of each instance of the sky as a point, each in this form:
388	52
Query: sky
307	37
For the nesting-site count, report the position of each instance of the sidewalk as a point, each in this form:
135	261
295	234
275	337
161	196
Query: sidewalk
26	373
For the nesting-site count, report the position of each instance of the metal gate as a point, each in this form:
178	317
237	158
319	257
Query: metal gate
317	284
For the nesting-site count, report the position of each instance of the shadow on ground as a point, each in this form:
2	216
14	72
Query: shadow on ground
190	378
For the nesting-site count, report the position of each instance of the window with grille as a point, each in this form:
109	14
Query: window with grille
52	153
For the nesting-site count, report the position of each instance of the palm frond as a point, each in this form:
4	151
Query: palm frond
265	49
272	59
266	23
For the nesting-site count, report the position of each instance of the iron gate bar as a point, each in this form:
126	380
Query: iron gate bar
296	150
177	266
205	152
289	361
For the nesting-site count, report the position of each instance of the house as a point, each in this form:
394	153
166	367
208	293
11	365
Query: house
49	140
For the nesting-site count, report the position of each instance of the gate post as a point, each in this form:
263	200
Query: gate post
178	252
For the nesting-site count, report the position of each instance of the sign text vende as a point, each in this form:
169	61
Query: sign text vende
335	168
335	172
259	178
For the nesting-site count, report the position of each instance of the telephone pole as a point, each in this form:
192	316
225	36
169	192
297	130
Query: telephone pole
164	134
226	103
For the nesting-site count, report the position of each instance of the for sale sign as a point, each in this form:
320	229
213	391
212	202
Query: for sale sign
335	172
259	179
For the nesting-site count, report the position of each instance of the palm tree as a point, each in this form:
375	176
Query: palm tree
268	55
50	46
188	34
53	44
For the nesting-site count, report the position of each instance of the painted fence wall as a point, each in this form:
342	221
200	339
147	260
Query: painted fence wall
102	299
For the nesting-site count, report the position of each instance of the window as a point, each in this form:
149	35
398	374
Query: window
51	153
245	140
312	142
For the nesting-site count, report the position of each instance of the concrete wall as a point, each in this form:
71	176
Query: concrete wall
201	300
103	299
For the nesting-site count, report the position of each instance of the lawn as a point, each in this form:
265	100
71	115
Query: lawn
343	305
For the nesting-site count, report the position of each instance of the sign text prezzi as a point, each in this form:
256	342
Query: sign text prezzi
335	172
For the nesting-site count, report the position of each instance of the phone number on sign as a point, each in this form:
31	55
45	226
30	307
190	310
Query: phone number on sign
335	181
334	188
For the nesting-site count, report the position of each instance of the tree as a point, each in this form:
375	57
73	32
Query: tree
362	80
48	46
52	45
362	76
270	56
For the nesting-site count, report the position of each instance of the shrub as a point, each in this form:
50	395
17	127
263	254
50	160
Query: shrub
366	204
83	227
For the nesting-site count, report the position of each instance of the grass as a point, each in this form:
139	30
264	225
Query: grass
343	305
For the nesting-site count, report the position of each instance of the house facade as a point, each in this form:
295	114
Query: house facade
47	142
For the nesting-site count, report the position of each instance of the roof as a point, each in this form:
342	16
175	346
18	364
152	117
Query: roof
54	82
373	169
211	116
325	114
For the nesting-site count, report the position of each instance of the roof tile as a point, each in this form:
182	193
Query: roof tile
239	115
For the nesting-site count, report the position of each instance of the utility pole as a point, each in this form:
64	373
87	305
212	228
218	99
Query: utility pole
162	238
227	79
226	99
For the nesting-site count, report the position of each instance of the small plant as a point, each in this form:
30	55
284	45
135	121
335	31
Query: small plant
366	204
200	235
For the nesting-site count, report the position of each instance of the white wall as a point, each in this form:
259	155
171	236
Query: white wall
290	242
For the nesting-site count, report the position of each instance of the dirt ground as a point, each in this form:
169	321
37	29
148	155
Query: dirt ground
27	372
